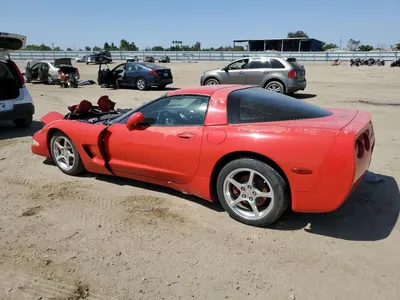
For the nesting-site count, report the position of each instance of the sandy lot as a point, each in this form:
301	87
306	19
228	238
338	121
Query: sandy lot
94	237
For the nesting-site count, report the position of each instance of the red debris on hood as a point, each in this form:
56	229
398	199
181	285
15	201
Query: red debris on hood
83	107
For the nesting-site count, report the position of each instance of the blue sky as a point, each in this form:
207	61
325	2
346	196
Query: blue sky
212	22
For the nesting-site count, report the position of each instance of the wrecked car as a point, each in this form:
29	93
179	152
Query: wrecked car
255	151
49	72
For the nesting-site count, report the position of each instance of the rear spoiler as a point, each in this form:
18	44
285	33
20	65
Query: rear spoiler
51	116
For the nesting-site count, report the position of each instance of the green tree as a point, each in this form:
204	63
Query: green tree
397	46
328	46
69	49
297	34
106	46
96	48
365	48
157	48
352	45
87	48
124	45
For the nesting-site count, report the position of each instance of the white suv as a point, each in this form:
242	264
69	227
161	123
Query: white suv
15	101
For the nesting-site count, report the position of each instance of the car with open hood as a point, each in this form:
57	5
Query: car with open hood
50	71
16	103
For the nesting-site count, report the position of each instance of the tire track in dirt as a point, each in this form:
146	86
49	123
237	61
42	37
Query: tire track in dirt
46	285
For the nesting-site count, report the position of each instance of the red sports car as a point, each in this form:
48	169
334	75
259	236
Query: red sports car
255	151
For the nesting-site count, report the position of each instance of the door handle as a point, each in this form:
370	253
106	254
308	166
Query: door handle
241	72
265	72
186	136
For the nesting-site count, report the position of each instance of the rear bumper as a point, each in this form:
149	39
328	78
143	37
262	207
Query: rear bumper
160	81
295	85
19	111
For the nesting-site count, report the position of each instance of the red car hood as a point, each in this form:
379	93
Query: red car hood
50	117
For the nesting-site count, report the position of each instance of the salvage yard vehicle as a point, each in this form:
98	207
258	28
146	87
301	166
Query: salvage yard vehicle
102	57
255	151
16	103
49	72
141	75
285	76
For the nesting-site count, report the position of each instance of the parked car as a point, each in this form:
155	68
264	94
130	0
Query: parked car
16	103
80	59
132	58
164	59
255	151
46	71
148	59
141	75
276	74
103	57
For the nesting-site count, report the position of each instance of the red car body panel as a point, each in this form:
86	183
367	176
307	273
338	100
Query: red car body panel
317	156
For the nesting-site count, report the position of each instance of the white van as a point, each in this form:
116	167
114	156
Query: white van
15	101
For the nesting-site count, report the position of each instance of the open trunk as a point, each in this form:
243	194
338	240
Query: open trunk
9	81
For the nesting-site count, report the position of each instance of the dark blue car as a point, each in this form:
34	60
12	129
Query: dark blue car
141	75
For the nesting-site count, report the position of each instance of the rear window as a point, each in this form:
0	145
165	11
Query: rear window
276	64
151	65
254	105
5	72
295	64
260	64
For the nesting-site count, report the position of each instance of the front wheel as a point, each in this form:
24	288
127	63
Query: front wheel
252	192
65	154
211	81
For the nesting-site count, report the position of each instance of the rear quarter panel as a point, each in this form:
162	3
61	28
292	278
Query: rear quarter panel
287	146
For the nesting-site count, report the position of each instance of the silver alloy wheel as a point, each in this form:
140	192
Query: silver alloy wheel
141	84
211	82
274	87
245	198
63	153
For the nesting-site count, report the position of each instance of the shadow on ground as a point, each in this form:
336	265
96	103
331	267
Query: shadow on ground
304	96
149	89
9	131
369	214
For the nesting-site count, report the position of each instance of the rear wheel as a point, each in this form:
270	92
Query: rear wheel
252	192
275	86
65	154
141	84
24	122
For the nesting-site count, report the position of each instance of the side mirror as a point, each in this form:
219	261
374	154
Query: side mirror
224	68
135	119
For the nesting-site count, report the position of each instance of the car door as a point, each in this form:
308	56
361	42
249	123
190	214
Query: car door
166	146
44	71
34	71
115	73
132	72
235	73
258	70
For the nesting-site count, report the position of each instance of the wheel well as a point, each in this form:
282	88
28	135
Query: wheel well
50	134
275	79
237	155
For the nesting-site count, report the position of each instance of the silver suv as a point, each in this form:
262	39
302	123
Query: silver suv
277	74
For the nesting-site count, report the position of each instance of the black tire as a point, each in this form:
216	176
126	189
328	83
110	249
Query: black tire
24	122
278	185
274	86
211	81
50	79
141	84
77	166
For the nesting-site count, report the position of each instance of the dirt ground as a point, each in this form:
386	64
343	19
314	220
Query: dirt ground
97	237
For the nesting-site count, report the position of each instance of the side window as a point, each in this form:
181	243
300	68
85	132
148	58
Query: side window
260	64
36	66
185	110
240	64
276	64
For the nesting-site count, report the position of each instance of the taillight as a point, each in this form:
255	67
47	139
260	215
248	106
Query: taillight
292	74
21	78
59	71
153	72
359	148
